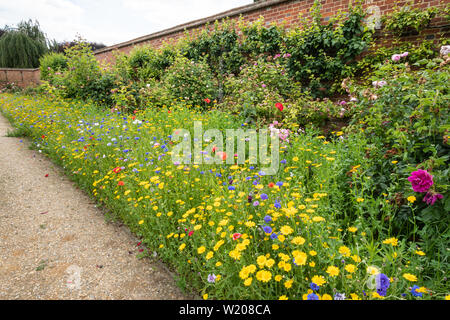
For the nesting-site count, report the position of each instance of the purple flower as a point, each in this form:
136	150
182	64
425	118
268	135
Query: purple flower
277	204
264	196
339	296
273	236
421	180
267	219
383	284
212	278
256	203
431	197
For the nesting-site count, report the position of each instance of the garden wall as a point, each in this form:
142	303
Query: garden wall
20	77
288	11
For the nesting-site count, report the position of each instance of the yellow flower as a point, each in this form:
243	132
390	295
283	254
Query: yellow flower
333	271
261	261
352	229
201	249
420	253
345	251
205	296
326	297
209	255
410	277
360	199
283	297
391	241
350	268
319	280
264	275
278	278
288	283
376	295
183	245
354	296
286	230
236	255
141	222
248	282
447	297
411	199
299	258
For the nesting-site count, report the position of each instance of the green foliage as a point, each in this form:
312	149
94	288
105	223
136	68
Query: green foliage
259	86
18	50
323	54
21	47
51	63
258	39
402	20
219	46
146	63
190	82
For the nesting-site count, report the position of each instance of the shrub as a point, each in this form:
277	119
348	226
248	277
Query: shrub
51	63
258	87
190	81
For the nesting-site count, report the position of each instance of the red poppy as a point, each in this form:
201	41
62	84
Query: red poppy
214	149
120	183
191	233
271	185
222	155
279	106
46	175
43	136
139	243
236	236
207	100
117	169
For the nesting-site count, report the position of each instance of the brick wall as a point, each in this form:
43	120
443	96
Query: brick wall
287	11
20	77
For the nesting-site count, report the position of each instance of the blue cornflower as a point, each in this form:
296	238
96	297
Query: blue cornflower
273	236
264	196
414	292
267	229
267	219
314	286
312	296
277	204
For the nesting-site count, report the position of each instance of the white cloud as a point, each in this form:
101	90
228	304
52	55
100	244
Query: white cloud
112	21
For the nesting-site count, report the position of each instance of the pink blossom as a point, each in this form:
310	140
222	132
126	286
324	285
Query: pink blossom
421	180
431	197
404	54
396	57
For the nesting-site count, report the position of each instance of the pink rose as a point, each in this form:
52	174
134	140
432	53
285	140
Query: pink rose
431	197
421	180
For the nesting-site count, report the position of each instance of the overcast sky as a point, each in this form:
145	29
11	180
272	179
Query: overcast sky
109	21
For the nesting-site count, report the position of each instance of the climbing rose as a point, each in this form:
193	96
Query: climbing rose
421	180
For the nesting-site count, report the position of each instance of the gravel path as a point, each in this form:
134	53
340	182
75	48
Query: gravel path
55	243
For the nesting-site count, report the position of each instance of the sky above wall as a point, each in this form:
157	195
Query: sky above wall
109	21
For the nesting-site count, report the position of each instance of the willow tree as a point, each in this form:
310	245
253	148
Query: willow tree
22	47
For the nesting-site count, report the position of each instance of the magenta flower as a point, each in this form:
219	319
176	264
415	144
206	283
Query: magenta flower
421	180
431	197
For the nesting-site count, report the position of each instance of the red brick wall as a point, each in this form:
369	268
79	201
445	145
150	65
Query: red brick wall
279	11
20	77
